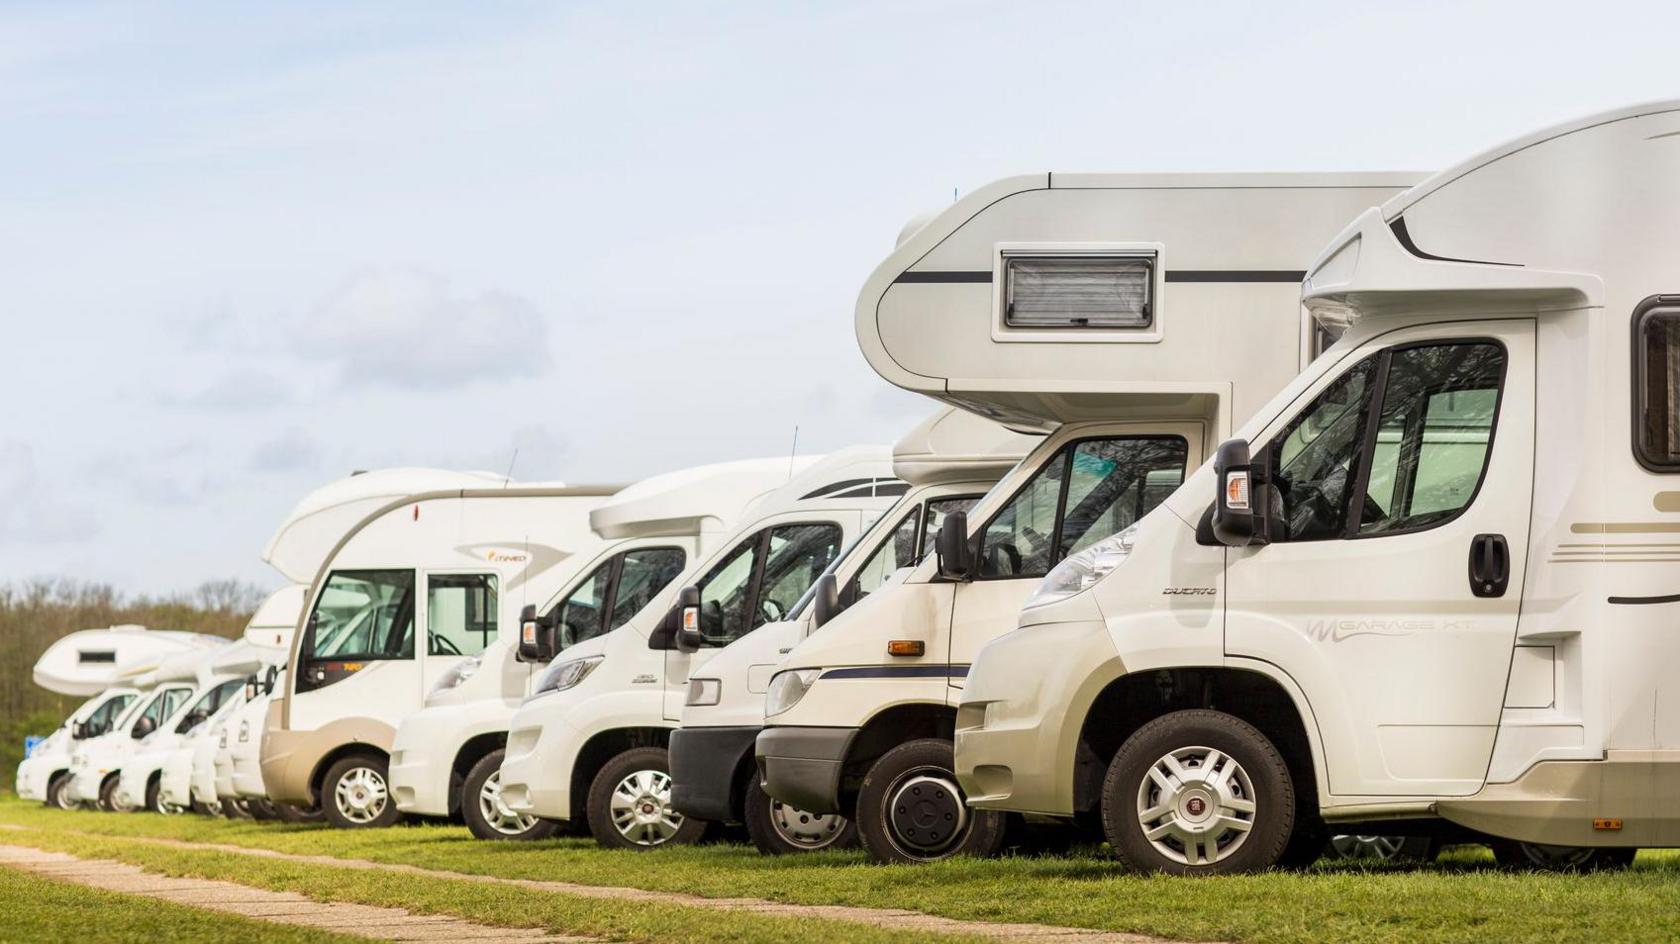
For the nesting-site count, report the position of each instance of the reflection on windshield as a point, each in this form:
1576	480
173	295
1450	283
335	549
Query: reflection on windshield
365	614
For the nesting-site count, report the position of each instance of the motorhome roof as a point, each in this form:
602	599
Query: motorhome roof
88	661
272	624
955	445
680	502
194	665
243	657
849	473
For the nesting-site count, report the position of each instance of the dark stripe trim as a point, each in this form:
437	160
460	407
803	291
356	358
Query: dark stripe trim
1645	601
944	277
1235	275
1405	237
899	671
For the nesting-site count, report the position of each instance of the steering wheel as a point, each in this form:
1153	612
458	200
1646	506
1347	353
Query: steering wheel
771	610
442	646
1003	559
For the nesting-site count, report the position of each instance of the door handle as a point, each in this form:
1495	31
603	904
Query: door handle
1490	565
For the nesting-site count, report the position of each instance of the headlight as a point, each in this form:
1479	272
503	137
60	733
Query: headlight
1082	571
704	691
458	673
787	688
244	730
563	675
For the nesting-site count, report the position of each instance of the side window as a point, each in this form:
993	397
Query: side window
642	574
796	556
1433	435
725	594
154	710
174	699
364	615
102	718
209	703
897	550
1314	461
1656	418
460	613
1017	542
584	611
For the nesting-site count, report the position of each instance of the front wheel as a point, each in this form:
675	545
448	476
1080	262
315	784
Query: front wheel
778	829
355	796
910	809
1198	793
630	804
110	799
486	815
1539	857
157	804
58	793
1381	849
292	813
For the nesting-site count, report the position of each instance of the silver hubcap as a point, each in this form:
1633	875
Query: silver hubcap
1196	806
1380	848
64	800
925	814
169	809
641	808
1556	857
360	795
496	813
120	803
802	829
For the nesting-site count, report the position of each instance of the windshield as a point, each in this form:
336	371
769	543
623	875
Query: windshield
101	719
364	615
208	704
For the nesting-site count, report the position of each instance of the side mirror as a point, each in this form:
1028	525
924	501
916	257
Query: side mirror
252	687
143	727
78	730
537	641
270	679
956	553
689	638
1239	510
825	605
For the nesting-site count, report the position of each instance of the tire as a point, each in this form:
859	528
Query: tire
1380	850
1238	816
211	810
355	793
484	812
292	813
1537	857
108	797
236	809
58	793
261	809
910	809
630	804
1311	839
155	803
778	829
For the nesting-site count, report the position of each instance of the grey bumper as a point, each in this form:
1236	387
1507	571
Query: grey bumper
801	766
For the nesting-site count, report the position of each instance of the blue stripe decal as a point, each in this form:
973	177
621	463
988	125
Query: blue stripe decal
899	671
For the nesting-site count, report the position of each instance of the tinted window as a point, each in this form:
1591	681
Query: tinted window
1657	387
616	591
1315	459
460	613
365	615
761	579
897	550
1018	541
209	703
101	719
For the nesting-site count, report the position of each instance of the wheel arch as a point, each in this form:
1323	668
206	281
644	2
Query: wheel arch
603	746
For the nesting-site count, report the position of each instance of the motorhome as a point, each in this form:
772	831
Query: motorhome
166	686
409	592
88	663
188	777
590	743
140	773
239	757
446	758
1430	584
1134	320
949	461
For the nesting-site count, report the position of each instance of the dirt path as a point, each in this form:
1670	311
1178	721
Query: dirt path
381	924
893	919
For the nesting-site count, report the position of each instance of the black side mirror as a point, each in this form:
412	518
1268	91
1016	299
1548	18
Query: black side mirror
78	730
825	605
195	719
956	552
143	727
537	642
1239	509
689	638
270	679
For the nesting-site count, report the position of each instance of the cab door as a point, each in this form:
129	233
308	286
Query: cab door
1390	590
358	654
1093	486
461	615
757	581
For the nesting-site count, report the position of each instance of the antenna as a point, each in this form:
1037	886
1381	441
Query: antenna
953	195
794	452
508	478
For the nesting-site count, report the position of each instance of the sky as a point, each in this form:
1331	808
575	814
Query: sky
246	249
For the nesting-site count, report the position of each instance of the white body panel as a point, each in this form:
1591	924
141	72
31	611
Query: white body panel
92	660
51	756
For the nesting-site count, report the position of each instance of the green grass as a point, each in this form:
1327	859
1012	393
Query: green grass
33	908
1462	897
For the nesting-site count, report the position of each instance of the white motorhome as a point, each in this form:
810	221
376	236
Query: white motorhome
1133	319
410	591
446	758
1431	582
87	663
167	685
591	741
949	461
140	773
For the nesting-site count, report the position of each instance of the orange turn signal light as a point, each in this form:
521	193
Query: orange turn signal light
906	647
1607	824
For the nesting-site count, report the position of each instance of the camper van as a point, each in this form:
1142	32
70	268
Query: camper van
239	756
188	776
949	461
1430	584
168	685
89	663
408	593
590	743
1133	320
446	759
140	773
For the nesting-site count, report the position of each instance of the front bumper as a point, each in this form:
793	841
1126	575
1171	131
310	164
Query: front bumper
175	786
801	766
705	765
423	753
85	787
224	774
35	773
136	774
537	768
288	760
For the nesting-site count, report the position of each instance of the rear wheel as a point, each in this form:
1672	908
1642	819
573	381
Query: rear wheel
1198	793
1538	857
486	815
110	800
157	804
1369	849
910	808
630	804
292	813
355	794
58	793
213	808
778	829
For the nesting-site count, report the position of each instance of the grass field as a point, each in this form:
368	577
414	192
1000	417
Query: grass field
1461	897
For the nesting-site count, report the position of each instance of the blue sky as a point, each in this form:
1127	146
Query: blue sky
249	248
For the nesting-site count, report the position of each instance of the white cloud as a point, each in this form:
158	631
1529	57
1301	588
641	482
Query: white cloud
405	328
31	512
